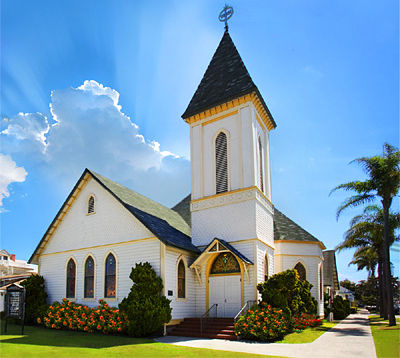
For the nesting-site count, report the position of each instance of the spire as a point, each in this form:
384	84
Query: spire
225	79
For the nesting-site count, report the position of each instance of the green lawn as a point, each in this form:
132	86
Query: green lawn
309	334
387	339
42	342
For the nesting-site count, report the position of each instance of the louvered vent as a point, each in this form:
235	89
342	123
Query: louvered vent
91	205
221	163
261	165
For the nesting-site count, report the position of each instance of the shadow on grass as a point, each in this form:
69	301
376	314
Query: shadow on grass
382	324
59	338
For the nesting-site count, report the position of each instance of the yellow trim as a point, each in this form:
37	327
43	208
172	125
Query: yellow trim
220	117
89	254
252	97
183	259
174	321
319	243
231	192
320	257
224	274
71	257
97	246
116	276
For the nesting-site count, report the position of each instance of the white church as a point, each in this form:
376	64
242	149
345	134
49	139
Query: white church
214	246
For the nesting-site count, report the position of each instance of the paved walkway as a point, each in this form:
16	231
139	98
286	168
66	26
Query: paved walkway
350	338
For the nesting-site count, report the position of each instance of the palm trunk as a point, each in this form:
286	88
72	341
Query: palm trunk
382	296
386	262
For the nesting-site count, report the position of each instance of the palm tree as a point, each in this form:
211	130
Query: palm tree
365	258
383	183
366	234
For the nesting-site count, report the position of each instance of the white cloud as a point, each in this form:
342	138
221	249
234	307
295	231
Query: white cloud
90	130
9	173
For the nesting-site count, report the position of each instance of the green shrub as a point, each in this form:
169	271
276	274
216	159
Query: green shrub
341	308
35	298
263	323
286	291
145	308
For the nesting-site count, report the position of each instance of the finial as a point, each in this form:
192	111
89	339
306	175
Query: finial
225	15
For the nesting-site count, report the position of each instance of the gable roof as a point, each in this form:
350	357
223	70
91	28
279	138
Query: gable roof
167	225
286	229
225	79
330	269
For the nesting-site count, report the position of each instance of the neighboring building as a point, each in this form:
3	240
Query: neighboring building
346	294
331	281
213	247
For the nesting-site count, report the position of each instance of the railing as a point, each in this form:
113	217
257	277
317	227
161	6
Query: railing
244	309
204	319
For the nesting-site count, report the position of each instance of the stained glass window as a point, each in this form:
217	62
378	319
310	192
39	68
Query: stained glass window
266	268
110	276
301	270
225	263
71	274
89	278
181	280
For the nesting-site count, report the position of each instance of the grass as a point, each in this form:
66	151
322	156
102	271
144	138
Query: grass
308	335
387	339
42	342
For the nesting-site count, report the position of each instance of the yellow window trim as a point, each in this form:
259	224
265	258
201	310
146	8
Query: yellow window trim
319	243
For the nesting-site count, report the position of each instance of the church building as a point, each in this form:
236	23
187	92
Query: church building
214	246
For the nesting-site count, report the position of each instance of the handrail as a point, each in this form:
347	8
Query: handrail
207	314
244	309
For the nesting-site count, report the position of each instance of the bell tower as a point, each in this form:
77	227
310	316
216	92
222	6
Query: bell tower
230	167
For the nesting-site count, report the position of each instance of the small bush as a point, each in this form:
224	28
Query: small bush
145	307
35	298
305	320
263	323
286	291
69	315
341	308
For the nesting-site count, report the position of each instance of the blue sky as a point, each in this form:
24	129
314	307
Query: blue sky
102	84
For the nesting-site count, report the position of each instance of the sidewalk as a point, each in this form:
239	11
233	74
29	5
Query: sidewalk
350	338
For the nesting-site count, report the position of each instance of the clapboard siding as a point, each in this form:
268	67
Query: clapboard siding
111	223
181	308
52	268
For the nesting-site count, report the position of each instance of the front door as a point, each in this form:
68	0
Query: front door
225	291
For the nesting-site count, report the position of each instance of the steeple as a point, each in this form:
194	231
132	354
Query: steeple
225	79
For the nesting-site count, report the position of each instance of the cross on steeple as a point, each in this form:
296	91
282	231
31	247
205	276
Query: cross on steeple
225	15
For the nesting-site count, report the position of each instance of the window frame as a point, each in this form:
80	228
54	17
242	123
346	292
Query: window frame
70	259
305	269
91	196
214	144
94	277
115	275
266	267
183	262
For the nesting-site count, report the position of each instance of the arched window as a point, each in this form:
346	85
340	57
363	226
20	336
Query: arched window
71	275
320	283
90	208
266	268
110	276
225	263
89	278
221	163
261	164
181	280
301	270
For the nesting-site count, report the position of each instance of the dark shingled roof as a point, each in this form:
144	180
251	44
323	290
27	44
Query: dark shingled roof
164	223
330	269
225	79
286	229
183	209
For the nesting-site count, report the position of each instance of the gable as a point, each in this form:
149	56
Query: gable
110	223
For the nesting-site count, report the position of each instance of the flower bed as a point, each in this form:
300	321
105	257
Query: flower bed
69	315
263	323
305	320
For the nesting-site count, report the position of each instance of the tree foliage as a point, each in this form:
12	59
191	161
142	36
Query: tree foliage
286	291
35	299
146	308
